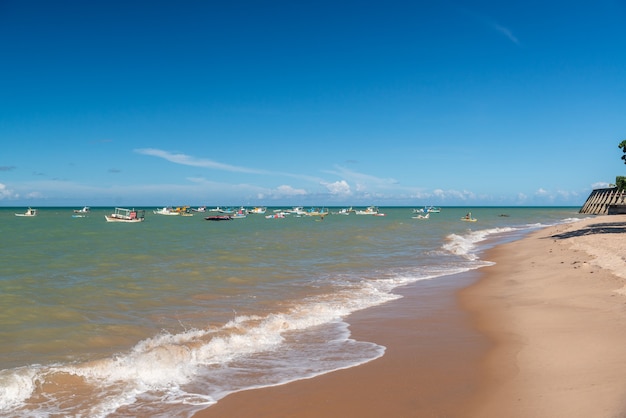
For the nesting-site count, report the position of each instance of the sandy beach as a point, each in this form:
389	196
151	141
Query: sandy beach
555	309
542	333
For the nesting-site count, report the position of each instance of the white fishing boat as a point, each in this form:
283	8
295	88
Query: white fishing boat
126	215
297	210
259	210
29	213
168	211
228	211
85	209
427	209
344	211
421	216
371	210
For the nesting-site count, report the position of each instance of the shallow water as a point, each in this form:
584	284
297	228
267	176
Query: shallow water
168	316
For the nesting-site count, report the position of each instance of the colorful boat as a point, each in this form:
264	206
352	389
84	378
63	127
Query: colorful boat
126	215
277	215
219	218
316	212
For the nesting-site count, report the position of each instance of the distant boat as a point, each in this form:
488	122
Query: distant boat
297	210
227	210
219	218
316	212
421	216
200	209
469	218
372	210
29	212
277	215
259	210
345	211
166	211
427	209
85	209
126	215
240	214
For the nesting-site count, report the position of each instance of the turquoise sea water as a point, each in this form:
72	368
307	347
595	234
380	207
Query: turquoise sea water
168	316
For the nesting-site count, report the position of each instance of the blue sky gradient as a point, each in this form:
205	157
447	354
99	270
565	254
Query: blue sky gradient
310	103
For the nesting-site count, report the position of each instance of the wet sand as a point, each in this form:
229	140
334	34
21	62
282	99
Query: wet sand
542	333
430	367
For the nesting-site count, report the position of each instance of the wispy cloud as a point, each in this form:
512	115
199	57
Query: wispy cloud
506	32
491	23
7	168
215	165
196	162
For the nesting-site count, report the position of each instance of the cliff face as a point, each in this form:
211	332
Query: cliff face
609	201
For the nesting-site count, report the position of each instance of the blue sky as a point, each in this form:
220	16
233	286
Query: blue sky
310	103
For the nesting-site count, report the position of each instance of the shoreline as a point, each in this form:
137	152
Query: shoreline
429	369
541	333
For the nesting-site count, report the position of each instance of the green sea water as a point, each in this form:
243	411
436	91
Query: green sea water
122	319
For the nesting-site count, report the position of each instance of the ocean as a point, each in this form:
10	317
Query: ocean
166	317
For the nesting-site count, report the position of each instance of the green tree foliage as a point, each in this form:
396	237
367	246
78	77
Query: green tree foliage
622	145
620	182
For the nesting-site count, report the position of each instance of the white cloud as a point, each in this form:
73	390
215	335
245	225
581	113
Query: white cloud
6	193
453	194
285	190
34	195
196	162
364	182
338	188
541	192
600	185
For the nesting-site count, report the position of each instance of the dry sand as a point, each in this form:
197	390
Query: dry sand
541	334
554	305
